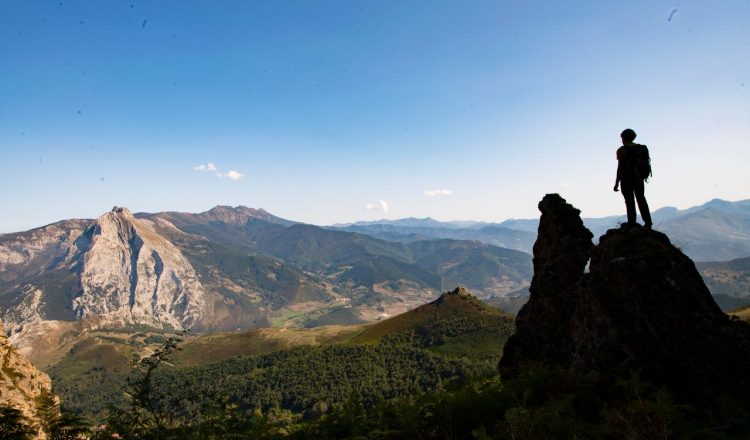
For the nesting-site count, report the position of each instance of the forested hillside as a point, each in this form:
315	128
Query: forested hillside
454	337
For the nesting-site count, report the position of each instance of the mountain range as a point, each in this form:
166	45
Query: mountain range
633	302
718	230
224	269
240	268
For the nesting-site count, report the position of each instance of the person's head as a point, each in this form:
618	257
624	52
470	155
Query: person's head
627	135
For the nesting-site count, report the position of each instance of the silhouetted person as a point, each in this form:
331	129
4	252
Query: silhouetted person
633	168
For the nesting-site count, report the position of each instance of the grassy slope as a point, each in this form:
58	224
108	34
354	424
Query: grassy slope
453	337
92	375
219	346
455	326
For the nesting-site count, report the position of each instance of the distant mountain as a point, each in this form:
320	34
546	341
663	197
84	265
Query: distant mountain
413	222
715	231
410	222
493	234
239	215
224	269
375	270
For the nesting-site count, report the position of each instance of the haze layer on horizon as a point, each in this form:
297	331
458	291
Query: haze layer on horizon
333	112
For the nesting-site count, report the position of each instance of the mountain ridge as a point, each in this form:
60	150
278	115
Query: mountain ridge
728	228
224	269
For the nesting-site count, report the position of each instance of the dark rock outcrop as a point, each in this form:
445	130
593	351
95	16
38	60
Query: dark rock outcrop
642	307
560	255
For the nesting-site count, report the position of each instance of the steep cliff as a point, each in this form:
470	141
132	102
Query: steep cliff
132	273
117	267
641	307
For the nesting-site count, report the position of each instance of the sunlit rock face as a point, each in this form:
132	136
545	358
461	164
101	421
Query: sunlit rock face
117	268
132	273
21	384
58	240
641	307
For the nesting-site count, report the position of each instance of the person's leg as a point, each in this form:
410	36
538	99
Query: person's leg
640	197
629	195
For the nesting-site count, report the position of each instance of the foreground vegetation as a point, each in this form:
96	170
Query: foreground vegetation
56	425
426	374
542	403
271	369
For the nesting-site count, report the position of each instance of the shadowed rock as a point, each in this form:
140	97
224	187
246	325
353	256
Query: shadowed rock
643	307
560	255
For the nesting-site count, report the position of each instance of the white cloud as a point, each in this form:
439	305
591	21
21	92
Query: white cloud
211	167
234	175
438	192
207	167
382	205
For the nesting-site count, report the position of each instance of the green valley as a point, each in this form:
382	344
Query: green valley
293	369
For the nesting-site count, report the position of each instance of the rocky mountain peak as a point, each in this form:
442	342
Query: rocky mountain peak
642	307
131	273
120	209
238	215
457	292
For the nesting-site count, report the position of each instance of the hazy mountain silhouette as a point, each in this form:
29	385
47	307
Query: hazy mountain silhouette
715	231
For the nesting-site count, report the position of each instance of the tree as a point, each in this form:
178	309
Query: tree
146	417
57	424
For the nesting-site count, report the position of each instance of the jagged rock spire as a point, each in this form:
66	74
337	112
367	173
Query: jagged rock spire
560	254
643	307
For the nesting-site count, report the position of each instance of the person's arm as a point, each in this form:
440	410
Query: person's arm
617	178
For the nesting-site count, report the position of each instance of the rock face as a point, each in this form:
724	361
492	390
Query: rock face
20	382
222	270
132	273
117	267
642	306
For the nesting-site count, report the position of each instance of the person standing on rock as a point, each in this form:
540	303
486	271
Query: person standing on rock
633	169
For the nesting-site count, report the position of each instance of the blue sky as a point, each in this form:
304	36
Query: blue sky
455	110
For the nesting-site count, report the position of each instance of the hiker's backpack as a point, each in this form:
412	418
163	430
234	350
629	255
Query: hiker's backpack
642	162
